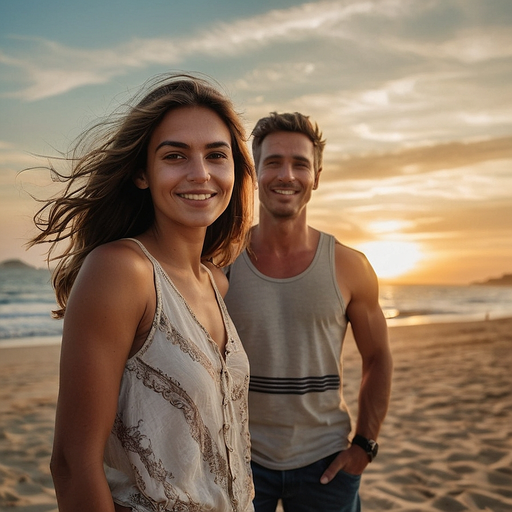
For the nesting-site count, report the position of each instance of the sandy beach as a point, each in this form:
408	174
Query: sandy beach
446	444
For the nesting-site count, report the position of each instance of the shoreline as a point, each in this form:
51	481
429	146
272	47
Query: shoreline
394	322
30	341
412	320
446	444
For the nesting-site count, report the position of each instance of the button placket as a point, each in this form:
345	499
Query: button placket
228	415
226	409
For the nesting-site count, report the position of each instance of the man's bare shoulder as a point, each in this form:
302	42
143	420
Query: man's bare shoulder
349	256
354	272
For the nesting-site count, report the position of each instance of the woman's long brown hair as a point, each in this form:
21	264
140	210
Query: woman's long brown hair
100	202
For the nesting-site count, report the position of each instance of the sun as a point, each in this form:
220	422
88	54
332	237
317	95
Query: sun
391	259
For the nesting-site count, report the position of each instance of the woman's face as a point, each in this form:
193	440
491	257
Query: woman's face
190	169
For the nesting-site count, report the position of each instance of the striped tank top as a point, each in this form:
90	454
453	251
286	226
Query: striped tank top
292	330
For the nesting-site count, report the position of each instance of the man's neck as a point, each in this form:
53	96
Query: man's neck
281	234
282	247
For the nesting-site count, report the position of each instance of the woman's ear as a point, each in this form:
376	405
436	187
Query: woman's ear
140	180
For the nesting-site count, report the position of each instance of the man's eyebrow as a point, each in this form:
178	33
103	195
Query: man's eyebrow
279	156
183	145
274	156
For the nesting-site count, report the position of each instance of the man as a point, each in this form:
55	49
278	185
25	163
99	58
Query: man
291	296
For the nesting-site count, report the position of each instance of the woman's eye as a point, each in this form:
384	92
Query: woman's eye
172	156
217	155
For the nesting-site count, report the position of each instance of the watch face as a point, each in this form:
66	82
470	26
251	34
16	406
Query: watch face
373	448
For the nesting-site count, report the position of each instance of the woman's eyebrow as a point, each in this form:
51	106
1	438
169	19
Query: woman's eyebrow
183	145
219	144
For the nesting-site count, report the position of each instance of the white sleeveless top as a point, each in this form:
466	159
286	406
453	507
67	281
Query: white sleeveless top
180	440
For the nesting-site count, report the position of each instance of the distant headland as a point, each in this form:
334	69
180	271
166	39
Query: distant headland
15	264
504	280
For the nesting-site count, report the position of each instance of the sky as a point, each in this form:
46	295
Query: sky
414	98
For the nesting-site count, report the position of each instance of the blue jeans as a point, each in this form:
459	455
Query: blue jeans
301	491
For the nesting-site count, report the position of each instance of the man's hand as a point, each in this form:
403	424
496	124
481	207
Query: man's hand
353	460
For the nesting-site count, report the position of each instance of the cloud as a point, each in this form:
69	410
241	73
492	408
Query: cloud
53	68
418	160
425	190
468	45
266	79
403	107
484	218
444	210
11	157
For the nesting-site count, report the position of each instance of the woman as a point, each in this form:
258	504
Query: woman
152	408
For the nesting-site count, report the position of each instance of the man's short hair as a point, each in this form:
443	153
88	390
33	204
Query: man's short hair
288	122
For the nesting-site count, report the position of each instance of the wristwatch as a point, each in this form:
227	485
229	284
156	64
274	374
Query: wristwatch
368	445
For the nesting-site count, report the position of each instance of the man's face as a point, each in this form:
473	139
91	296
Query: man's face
286	174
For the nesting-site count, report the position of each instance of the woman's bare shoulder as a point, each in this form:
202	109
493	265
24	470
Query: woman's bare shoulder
119	255
118	267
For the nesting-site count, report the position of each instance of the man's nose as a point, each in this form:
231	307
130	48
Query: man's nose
286	172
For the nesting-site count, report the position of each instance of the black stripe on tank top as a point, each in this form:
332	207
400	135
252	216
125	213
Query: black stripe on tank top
293	386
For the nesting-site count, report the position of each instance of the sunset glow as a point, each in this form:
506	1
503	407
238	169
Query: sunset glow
392	259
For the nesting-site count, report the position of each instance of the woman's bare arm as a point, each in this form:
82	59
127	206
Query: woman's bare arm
107	309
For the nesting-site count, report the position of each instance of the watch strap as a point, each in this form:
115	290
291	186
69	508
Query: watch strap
368	445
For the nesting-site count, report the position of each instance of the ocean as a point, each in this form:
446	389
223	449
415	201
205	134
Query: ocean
424	304
26	302
27	299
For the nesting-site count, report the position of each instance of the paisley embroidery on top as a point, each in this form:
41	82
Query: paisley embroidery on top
186	346
172	392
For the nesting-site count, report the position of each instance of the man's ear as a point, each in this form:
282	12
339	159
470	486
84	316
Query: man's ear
140	180
317	178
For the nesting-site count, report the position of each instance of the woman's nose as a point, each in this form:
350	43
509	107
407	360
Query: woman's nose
198	172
